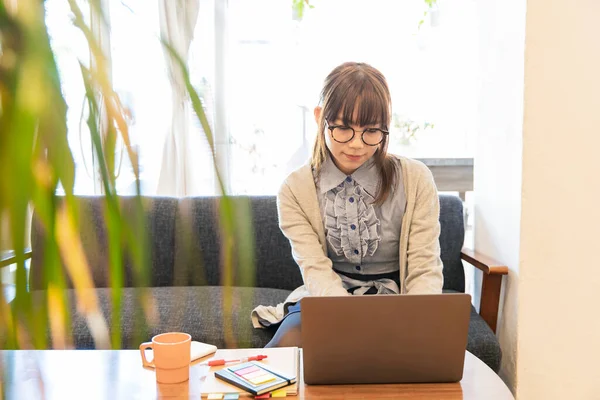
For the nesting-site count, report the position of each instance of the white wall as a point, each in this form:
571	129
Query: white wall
540	215
559	304
498	157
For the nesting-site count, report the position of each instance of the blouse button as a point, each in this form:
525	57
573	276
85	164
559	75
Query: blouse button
353	227
355	251
349	179
358	267
351	199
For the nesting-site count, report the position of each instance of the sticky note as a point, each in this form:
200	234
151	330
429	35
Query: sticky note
254	374
244	371
231	396
215	396
262	379
279	393
263	396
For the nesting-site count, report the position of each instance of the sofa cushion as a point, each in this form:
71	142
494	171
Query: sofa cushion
482	342
276	267
198	311
198	248
452	237
157	224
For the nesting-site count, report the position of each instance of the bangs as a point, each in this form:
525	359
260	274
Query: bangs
359	101
357	94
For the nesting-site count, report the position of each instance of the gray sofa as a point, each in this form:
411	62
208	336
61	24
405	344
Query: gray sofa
185	278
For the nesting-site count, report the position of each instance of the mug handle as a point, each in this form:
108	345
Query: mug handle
145	362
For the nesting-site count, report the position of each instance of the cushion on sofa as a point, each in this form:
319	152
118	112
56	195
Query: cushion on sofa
157	224
198	311
482	342
452	237
198	256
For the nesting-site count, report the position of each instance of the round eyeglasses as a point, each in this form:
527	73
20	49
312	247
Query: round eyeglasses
344	134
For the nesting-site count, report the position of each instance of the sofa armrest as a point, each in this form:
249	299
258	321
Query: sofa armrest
9	257
492	283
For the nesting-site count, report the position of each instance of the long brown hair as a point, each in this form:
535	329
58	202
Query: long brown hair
357	86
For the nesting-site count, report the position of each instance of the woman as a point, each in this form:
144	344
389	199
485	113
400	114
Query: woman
359	220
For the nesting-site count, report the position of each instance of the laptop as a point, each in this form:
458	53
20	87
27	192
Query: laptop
384	338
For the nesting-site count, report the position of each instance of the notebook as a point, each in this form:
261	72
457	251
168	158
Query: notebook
197	351
254	377
283	360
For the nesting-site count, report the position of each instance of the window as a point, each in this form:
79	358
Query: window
70	48
202	64
140	78
278	66
264	69
266	114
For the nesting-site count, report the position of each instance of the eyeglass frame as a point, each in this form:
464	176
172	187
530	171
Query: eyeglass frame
362	135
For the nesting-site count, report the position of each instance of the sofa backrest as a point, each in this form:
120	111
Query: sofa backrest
198	255
158	228
185	243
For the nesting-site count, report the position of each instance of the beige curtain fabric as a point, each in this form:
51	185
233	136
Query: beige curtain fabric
177	22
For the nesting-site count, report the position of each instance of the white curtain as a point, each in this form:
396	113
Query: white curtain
177	23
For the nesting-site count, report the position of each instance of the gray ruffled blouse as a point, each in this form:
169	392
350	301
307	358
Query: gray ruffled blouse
362	238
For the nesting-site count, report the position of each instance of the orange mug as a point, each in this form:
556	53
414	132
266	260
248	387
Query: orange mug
171	356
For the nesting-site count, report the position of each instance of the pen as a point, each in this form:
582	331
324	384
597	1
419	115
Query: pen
213	363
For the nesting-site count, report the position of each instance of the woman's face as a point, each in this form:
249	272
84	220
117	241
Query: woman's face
349	156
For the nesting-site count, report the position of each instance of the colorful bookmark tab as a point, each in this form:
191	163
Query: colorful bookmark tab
279	393
215	396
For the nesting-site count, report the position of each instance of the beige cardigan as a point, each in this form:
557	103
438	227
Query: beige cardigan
301	222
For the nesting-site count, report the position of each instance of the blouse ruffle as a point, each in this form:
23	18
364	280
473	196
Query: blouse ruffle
338	225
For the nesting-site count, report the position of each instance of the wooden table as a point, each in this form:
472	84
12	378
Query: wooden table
118	374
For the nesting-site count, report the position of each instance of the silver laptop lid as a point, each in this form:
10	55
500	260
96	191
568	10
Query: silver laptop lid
384	338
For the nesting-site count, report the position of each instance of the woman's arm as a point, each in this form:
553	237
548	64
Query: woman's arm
423	258
316	268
